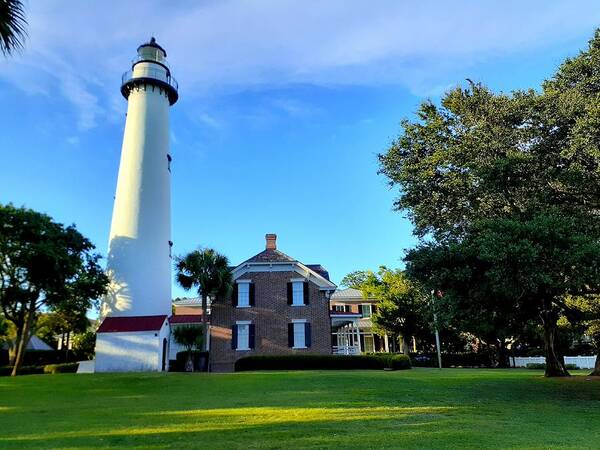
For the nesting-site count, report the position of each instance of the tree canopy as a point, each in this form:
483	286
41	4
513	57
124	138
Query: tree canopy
505	189
44	266
401	302
208	271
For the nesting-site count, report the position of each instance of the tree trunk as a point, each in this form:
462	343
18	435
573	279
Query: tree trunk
189	364
502	354
23	339
554	365
405	347
596	371
204	323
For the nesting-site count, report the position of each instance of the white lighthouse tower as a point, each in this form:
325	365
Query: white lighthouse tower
134	333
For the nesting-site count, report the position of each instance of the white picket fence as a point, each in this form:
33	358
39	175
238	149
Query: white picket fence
583	362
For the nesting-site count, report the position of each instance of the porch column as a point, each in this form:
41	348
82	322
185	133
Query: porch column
357	335
386	344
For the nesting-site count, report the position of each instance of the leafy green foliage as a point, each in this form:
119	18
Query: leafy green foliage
85	344
492	183
323	362
44	266
61	368
401	302
188	336
207	271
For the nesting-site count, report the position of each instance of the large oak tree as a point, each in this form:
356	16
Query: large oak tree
481	157
44	266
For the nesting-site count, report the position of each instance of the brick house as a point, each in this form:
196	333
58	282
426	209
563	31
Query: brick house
279	306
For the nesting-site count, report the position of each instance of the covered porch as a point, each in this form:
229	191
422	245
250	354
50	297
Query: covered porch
345	333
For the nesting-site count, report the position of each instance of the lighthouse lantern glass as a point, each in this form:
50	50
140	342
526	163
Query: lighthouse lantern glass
151	53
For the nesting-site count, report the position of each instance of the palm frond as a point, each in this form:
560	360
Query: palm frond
205	269
12	26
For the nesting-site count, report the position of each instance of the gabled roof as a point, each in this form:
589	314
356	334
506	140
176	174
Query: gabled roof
185	318
272	259
270	255
132	324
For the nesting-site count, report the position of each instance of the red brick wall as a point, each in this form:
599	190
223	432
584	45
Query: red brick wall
271	315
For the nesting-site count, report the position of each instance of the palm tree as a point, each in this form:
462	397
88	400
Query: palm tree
12	26
207	271
190	337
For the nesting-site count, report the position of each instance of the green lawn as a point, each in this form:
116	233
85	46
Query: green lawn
419	408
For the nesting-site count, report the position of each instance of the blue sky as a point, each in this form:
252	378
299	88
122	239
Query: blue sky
283	108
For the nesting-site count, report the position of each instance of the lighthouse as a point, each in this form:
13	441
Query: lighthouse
134	332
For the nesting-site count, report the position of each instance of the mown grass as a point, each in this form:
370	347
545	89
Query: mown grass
421	408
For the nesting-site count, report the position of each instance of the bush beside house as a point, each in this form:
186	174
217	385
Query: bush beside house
323	362
39	370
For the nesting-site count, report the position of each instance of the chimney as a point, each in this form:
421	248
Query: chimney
271	241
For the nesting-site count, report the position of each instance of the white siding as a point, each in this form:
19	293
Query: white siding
130	351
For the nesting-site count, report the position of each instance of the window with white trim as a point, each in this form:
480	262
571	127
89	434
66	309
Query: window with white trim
297	293
369	346
367	310
243	335
338	308
299	335
243	295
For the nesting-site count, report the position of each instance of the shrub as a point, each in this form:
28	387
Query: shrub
542	366
322	362
61	368
536	366
466	359
179	364
25	370
44	357
400	362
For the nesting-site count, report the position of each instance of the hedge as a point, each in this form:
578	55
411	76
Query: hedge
61	368
38	370
323	362
178	365
25	370
44	357
542	366
466	359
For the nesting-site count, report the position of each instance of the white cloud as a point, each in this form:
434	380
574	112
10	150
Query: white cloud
80	48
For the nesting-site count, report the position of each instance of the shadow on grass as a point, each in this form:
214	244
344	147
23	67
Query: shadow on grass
234	427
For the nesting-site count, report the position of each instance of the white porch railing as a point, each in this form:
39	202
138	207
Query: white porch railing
345	350
583	362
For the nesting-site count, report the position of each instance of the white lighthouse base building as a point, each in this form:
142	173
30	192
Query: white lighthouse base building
133	344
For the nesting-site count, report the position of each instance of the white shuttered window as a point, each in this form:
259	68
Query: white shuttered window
299	336
243	294
297	293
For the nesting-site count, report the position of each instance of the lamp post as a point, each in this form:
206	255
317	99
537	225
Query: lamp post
437	334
